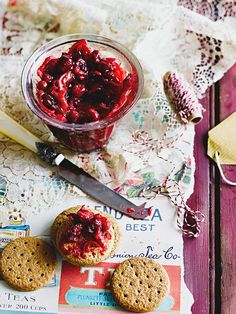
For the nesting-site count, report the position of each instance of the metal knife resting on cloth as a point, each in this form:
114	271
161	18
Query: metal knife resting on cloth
70	171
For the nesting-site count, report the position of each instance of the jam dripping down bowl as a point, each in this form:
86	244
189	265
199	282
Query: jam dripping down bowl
86	136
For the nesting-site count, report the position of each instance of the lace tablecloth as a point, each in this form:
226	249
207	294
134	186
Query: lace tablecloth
165	36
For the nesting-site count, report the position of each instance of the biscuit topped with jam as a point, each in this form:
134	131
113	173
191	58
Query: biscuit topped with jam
84	236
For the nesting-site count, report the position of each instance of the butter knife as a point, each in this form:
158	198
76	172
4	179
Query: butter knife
69	171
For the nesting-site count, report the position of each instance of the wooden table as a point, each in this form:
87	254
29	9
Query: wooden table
210	260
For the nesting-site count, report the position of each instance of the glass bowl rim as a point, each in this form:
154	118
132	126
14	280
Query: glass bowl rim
65	39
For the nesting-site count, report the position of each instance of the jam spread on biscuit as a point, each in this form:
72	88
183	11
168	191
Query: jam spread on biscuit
87	232
81	86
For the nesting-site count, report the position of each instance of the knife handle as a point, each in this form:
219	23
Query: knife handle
15	131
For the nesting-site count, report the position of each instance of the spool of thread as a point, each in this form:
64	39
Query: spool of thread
183	98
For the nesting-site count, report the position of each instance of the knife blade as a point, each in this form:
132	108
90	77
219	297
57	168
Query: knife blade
88	184
70	171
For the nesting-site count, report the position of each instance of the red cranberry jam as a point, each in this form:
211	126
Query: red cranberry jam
81	86
86	233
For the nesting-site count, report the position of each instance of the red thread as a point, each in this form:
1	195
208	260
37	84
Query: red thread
182	96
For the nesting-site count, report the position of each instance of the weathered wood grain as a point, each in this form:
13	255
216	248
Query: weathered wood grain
228	204
199	276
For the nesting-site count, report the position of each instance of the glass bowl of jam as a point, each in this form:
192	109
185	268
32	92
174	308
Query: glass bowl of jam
81	86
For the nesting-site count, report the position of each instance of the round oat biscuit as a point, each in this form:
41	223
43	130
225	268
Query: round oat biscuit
28	263
92	258
139	284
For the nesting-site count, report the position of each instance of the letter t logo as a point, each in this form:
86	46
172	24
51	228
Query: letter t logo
91	274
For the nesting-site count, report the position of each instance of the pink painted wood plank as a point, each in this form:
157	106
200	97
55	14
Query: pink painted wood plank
198	252
228	204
